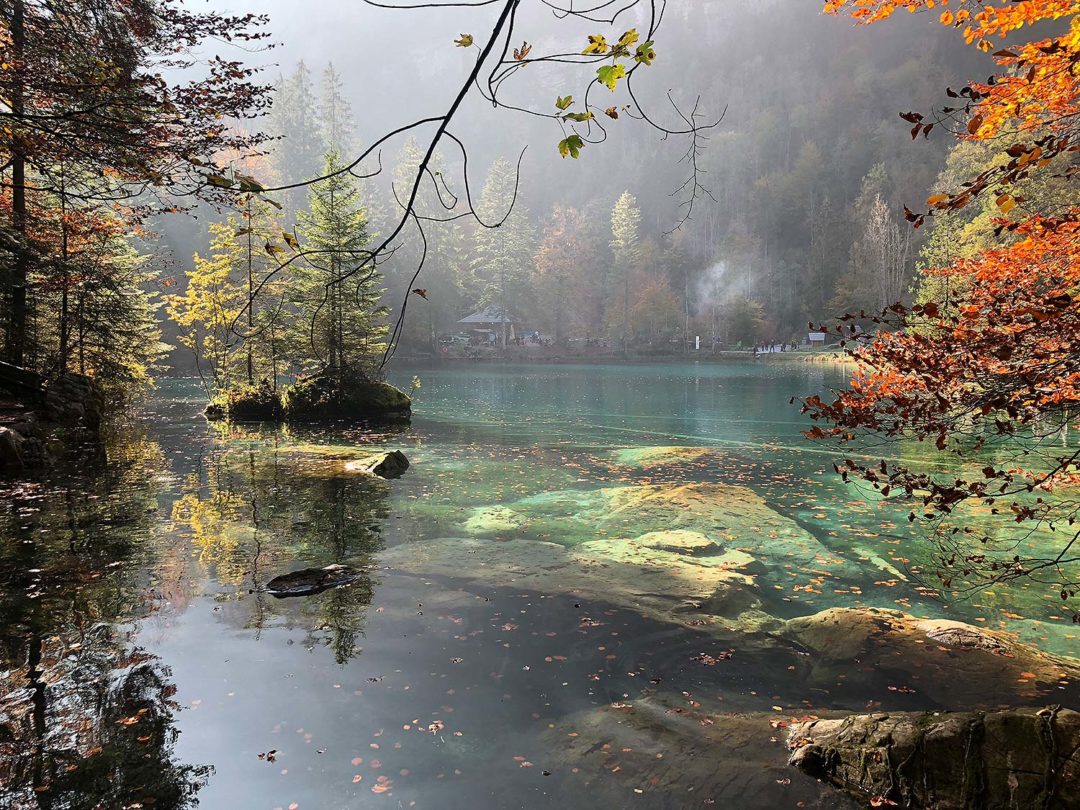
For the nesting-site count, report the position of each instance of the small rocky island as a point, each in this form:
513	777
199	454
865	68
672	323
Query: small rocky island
318	398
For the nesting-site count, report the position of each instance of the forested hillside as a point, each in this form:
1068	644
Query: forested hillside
800	217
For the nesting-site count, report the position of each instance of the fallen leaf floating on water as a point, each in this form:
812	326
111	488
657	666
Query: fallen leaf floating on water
712	660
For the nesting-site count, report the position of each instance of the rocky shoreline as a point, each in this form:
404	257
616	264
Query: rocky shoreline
38	427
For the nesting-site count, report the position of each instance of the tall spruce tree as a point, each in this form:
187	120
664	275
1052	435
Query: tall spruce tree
341	326
336	125
294	122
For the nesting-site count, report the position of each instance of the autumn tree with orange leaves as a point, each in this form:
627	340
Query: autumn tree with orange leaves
992	375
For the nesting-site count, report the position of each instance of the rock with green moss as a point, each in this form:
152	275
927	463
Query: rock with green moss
248	403
327	398
970	761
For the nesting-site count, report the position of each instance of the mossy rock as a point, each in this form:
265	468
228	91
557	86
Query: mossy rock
325	398
249	403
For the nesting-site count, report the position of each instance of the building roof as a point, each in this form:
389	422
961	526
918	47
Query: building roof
488	315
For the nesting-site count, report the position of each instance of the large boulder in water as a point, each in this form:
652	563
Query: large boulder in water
248	403
328	397
74	401
384	465
972	761
947	662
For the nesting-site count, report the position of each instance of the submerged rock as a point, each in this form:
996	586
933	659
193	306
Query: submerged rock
664	455
948	662
972	761
735	516
308	581
384	465
661	583
493	519
693	758
678	541
674	516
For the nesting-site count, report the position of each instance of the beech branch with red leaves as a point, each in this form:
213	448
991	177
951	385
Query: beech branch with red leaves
993	378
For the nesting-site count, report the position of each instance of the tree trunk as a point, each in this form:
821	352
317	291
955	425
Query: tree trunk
250	301
626	313
16	336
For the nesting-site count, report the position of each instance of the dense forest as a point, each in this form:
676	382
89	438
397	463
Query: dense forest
801	219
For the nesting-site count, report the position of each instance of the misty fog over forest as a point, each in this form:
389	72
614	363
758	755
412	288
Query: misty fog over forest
809	141
525	404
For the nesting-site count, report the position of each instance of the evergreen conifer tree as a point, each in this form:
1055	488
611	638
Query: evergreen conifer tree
341	324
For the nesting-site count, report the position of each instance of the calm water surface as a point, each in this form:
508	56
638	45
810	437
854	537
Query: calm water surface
142	666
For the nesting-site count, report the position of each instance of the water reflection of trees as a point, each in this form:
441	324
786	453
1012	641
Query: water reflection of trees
86	718
92	727
261	506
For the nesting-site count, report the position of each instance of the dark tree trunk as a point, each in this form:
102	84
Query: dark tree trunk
16	336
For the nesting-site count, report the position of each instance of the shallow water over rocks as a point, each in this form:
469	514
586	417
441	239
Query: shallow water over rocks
592	587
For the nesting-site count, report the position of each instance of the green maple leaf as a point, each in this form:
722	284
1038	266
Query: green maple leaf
571	147
609	75
645	53
562	102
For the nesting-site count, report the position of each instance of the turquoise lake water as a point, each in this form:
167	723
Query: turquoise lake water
144	666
